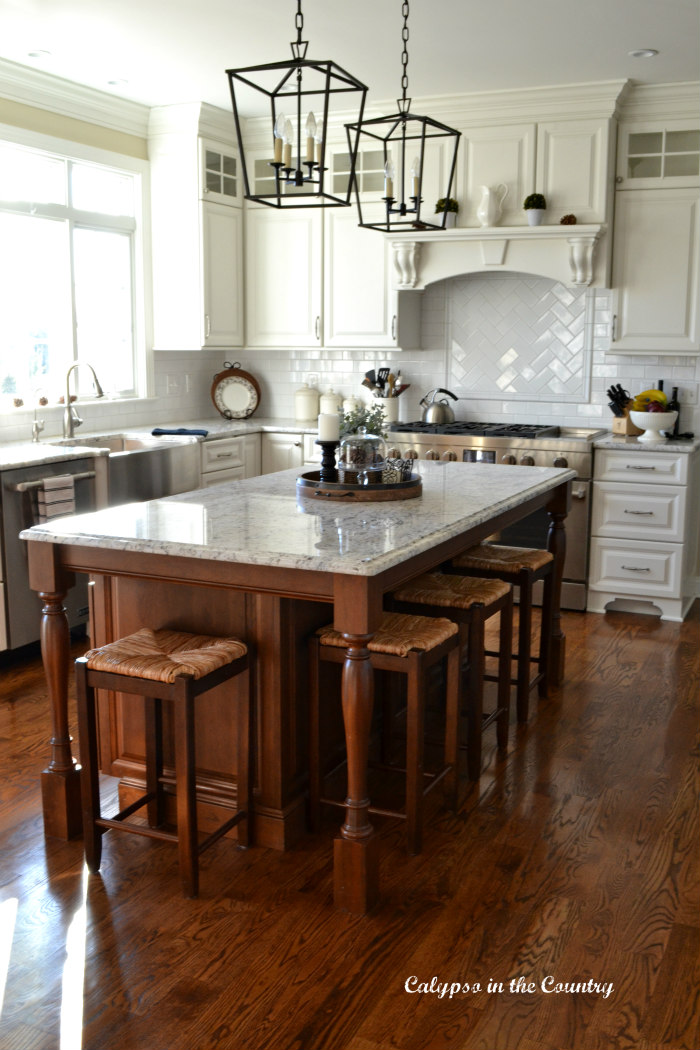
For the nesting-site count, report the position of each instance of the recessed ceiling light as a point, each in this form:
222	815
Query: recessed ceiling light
117	82
38	54
643	52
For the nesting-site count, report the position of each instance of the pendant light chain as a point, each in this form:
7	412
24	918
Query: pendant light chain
404	53
299	22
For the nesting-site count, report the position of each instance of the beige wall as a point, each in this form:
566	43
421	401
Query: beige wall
47	123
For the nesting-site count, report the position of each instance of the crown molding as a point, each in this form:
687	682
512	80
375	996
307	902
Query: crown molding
192	118
33	87
662	102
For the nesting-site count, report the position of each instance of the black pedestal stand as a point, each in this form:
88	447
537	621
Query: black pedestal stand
328	469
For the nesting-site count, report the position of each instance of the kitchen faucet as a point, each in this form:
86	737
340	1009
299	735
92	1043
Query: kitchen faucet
71	419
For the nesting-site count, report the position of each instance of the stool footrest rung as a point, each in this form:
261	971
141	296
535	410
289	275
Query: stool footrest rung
137	829
220	832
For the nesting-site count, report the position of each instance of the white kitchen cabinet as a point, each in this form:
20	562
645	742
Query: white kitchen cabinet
197	233
495	155
644	545
230	459
320	280
281	451
569	161
574	168
284	261
656	248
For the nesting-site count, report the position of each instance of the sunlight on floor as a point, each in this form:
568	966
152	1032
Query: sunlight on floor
73	976
8	917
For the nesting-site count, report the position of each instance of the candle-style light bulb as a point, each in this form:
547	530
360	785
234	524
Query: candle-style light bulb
288	136
319	143
310	136
389	178
415	176
279	136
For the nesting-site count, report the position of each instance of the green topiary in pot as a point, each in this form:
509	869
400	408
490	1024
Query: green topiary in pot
535	200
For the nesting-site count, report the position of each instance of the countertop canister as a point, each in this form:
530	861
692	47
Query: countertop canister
306	404
331	402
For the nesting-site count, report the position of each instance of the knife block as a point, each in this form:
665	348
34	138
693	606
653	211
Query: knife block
624	425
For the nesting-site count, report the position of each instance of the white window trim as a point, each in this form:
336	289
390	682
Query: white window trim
143	297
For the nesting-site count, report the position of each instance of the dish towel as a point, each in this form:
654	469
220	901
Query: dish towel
56	497
157	431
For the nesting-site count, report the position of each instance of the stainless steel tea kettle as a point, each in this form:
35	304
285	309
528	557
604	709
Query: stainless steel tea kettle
438	411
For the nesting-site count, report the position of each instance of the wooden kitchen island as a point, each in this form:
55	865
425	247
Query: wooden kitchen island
253	559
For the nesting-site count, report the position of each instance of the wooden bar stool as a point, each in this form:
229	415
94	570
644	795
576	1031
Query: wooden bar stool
408	645
470	602
178	667
522	567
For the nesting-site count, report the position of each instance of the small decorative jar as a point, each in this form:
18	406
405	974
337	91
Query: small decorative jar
361	453
306	400
351	404
330	402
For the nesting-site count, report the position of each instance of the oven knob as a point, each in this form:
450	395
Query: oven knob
508	458
410	453
527	461
560	461
432	454
393	453
449	456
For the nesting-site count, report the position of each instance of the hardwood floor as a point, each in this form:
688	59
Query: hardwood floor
574	860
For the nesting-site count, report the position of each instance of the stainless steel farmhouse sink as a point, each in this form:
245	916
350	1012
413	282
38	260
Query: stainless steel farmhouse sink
142	467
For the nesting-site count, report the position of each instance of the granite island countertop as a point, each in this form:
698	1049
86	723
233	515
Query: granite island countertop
262	520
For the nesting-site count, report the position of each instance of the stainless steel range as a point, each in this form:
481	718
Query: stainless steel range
529	445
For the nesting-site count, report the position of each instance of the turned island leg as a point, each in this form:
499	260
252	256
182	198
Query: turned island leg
551	607
60	781
356	849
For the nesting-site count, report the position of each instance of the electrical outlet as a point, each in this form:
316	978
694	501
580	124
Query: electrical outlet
688	395
188	383
172	385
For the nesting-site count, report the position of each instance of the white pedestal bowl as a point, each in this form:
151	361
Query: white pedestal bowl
652	423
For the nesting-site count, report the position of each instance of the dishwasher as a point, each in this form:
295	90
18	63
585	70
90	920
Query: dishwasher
21	612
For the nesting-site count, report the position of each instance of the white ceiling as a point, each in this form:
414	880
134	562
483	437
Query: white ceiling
172	51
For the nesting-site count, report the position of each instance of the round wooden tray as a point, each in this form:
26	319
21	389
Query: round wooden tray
311	485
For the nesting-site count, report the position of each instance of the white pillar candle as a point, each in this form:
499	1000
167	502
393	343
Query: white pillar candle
329	427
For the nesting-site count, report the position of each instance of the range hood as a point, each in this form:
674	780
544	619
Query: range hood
570	254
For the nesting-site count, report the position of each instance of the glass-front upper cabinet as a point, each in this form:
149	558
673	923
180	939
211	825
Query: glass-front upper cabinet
220	179
653	156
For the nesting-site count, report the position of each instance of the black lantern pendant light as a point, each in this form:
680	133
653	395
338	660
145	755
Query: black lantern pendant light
305	97
407	141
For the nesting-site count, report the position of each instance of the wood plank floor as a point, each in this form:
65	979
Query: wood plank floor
574	861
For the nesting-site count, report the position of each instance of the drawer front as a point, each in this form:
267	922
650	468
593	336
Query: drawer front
216	477
220	455
638	511
638	570
648	468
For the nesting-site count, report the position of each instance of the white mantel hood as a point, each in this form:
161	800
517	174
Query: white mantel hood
570	254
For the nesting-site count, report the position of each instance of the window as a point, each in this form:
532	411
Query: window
69	262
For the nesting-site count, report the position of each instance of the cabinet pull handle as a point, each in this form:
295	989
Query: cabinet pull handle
393	327
642	513
317	327
613	330
207	326
634	568
224	455
628	467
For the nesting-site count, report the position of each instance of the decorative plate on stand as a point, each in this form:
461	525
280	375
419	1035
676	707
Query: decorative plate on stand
235	393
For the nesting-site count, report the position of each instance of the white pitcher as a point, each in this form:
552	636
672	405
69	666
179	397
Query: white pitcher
489	211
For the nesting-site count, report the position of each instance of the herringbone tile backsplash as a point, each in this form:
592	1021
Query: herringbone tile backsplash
519	337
